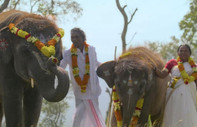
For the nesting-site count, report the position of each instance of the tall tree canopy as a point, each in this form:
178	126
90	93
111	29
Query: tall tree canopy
168	50
44	7
189	24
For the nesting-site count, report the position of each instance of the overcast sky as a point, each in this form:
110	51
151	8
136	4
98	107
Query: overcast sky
155	20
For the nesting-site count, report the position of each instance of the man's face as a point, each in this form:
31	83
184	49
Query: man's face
184	53
77	39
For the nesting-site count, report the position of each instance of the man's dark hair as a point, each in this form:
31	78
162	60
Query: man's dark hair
80	31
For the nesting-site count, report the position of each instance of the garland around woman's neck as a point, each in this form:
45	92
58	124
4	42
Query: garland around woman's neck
49	50
186	78
75	69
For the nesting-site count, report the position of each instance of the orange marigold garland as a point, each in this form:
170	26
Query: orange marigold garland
186	78
82	83
117	111
137	112
49	50
174	81
116	104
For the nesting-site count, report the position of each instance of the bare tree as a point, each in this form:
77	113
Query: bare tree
126	23
32	4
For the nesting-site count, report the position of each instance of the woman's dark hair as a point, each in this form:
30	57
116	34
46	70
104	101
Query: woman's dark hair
186	46
80	31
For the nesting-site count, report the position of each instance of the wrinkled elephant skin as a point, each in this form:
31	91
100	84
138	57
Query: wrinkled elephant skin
26	74
134	78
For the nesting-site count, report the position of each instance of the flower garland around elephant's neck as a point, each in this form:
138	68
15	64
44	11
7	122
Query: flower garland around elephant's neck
75	69
186	78
116	103
117	109
49	50
137	112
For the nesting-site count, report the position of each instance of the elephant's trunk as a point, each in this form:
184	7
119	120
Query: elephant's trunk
50	89
58	93
128	112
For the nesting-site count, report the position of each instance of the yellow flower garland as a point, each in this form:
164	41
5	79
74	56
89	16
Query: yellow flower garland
49	50
81	83
174	81
137	112
117	110
116	104
186	78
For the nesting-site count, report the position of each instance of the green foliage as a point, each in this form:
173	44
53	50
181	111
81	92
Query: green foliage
55	7
47	7
189	24
168	50
53	114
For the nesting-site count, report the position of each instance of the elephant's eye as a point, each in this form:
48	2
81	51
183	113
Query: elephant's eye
124	81
135	82
25	51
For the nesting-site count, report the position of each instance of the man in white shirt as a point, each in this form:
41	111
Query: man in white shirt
82	61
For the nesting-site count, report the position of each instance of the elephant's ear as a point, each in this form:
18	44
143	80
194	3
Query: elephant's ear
5	46
106	72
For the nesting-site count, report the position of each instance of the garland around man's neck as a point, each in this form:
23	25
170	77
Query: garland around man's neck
75	69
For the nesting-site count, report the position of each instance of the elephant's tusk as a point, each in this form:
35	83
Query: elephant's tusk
32	82
56	82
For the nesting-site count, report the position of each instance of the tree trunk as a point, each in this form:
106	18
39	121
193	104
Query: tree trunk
4	5
126	23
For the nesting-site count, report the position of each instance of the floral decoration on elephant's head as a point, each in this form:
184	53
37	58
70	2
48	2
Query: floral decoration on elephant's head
3	44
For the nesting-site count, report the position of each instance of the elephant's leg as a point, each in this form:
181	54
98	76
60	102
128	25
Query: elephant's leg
12	101
32	106
1	113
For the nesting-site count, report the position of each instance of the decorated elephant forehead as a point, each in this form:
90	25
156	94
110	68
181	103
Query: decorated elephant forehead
3	44
43	38
127	65
127	79
48	49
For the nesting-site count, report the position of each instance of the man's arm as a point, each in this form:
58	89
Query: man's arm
196	83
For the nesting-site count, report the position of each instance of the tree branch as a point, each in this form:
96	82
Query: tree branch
4	5
52	4
121	9
126	23
17	2
124	7
124	31
132	16
32	6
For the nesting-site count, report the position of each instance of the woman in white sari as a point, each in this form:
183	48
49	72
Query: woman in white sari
180	110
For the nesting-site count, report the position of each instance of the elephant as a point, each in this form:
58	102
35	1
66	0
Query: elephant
133	77
27	74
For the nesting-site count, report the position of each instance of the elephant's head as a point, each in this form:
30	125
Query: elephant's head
27	60
133	77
